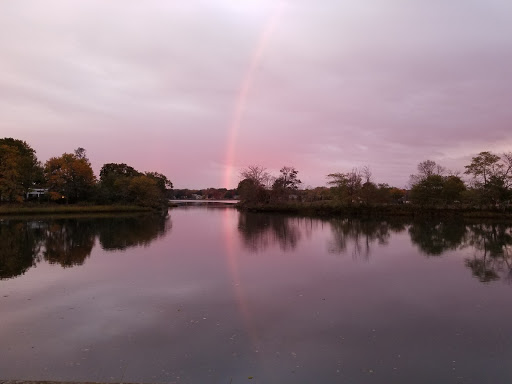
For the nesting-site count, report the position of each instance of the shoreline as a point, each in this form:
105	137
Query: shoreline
330	209
20	210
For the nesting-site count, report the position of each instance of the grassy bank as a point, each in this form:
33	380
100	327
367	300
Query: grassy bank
68	209
332	208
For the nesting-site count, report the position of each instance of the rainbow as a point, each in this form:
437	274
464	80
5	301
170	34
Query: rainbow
245	88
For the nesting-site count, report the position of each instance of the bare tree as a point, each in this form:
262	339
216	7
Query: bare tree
257	174
425	169
366	174
507	169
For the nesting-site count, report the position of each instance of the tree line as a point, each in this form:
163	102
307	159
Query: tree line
488	184
69	178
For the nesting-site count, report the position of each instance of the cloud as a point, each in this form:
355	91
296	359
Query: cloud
340	84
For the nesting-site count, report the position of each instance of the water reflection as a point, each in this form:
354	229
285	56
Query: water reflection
259	231
20	247
359	236
436	237
69	242
120	233
491	242
493	251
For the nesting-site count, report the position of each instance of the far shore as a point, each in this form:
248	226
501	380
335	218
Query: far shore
333	208
21	209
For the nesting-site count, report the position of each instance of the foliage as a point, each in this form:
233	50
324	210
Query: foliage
19	169
346	186
121	183
144	190
70	176
491	177
253	186
286	183
252	192
431	187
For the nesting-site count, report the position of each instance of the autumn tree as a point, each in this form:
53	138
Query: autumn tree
19	169
69	176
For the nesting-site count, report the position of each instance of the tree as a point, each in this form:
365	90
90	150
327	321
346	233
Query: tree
251	191
453	189
11	188
114	182
426	169
346	186
162	181
19	169
145	191
253	186
287	183
116	170
484	166
430	186
428	191
257	174
69	176
492	176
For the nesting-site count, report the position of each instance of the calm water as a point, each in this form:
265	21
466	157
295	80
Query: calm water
211	295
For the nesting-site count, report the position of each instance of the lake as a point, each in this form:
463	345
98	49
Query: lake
208	294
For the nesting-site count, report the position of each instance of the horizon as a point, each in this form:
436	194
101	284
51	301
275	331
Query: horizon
201	90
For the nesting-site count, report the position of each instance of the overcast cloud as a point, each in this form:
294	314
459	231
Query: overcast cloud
340	83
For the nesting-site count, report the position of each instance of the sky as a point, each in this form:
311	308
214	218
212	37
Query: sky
200	89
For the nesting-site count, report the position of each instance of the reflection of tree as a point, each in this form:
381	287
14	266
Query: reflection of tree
20	247
493	243
119	233
361	234
259	231
434	238
69	242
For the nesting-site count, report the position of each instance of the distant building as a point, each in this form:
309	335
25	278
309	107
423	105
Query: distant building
35	193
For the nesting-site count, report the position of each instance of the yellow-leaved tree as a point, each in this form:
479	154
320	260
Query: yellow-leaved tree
70	176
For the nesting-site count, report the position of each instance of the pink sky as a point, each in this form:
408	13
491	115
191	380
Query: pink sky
329	85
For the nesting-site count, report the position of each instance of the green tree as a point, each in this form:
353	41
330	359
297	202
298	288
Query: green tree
428	191
453	189
114	182
162	182
145	191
